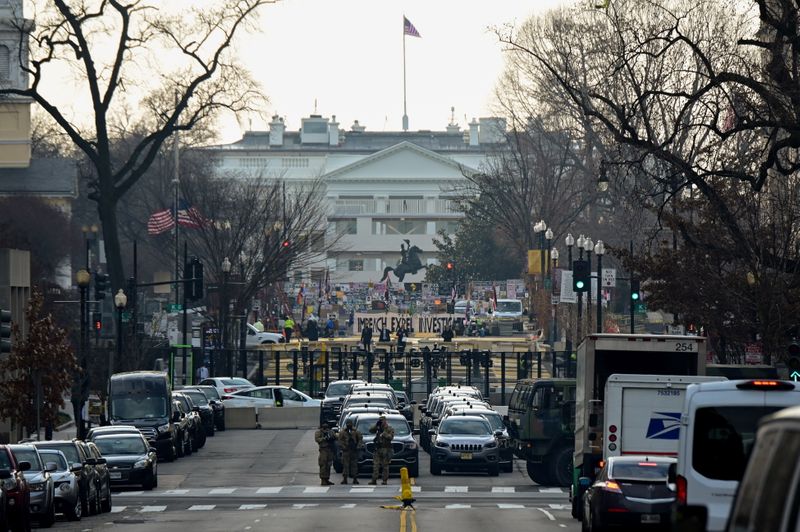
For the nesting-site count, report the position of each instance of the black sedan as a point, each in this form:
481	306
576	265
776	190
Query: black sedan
130	459
205	410
630	491
215	401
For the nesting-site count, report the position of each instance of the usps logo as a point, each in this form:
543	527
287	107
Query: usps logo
664	426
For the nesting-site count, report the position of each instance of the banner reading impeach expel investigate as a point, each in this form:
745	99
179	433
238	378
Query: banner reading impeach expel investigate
419	323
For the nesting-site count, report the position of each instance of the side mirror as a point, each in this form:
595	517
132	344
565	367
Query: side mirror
431	432
195	409
498	434
76	468
23	466
152	450
4	474
412	403
91	461
176	416
50	467
584	482
101	461
341	399
415	432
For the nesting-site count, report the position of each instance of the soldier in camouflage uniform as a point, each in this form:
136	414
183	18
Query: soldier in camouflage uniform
382	457
326	441
350	441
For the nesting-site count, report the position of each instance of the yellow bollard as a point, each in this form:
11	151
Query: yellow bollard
406	495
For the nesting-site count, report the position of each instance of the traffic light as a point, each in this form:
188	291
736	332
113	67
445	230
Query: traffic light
5	331
100	285
636	294
581	276
285	244
449	266
194	272
793	359
97	321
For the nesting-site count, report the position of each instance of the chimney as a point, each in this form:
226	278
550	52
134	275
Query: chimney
357	128
333	131
473	133
453	128
492	130
276	128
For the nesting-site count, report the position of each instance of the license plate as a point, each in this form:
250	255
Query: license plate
466	456
651	518
115	475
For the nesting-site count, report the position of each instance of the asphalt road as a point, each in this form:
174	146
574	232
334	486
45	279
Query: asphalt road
268	480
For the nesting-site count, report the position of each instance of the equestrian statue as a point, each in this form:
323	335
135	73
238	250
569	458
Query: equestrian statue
409	262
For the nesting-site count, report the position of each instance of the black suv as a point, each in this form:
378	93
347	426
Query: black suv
196	423
205	409
215	401
331	407
405	450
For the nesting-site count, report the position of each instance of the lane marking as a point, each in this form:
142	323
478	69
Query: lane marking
413	521
560	506
507	506
149	509
456	489
403	518
457	506
176	492
117	509
316	489
273	489
202	507
503	489
550	490
548	514
347	506
362	490
252	506
416	489
221	491
303	506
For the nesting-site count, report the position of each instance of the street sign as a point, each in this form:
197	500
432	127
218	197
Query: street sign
795	376
175	307
567	294
126	316
753	353
609	277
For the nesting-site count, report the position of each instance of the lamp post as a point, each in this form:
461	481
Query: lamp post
89	236
579	320
548	235
569	241
602	180
81	386
599	250
223	315
120	301
554	258
588	246
243	320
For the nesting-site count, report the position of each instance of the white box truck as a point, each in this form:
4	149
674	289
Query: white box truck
642	413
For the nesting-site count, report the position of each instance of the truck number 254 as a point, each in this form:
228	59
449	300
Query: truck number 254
684	347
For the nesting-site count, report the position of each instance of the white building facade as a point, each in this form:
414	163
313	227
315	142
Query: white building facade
381	188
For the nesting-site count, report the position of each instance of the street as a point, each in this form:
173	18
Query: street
251	480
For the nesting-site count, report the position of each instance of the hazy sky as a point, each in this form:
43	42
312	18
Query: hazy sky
348	56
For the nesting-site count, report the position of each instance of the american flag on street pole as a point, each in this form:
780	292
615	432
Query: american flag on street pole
160	222
189	216
409	29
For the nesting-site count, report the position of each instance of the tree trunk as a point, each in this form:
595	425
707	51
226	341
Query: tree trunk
107	209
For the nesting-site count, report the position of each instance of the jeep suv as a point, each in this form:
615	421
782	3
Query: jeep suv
405	451
465	443
334	397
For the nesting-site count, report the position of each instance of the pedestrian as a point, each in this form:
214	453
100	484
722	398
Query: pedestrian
384	336
401	339
312	330
382	457
326	441
366	337
447	334
288	327
202	372
350	442
330	327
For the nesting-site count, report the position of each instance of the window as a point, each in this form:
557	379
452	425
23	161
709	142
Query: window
262	394
779	474
5	62
291	395
355	265
404	227
345	227
448	226
294	162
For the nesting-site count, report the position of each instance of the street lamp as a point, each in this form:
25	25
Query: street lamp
81	384
599	250
548	235
89	236
569	241
602	180
226	271
243	319
120	301
553	300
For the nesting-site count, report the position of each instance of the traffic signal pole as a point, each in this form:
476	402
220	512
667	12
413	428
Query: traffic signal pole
185	316
631	298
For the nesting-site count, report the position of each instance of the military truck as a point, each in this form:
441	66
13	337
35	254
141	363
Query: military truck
603	355
541	424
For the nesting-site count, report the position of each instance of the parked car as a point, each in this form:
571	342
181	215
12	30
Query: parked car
65	481
215	400
183	429
111	429
335	393
769	493
42	498
405	405
16	490
464	443
227	384
267	396
405	451
256	337
355	411
101	478
630	491
496	421
76	455
205	409
197	429
131	460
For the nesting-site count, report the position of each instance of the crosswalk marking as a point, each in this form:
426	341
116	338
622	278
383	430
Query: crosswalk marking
347	506
202	507
550	490
457	506
134	492
416	489
221	491
560	506
252	506
456	489
118	509
148	509
303	506
503	489
176	492
507	506
316	489
362	490
272	489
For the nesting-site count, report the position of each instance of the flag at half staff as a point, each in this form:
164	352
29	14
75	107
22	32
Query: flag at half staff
409	29
160	222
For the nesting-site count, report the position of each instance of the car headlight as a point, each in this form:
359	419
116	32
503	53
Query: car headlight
443	444
411	445
64	486
37	486
141	464
490	445
163	428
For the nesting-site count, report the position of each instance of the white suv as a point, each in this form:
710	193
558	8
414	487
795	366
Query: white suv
718	427
256	337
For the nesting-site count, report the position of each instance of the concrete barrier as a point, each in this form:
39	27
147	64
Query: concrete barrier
288	418
241	418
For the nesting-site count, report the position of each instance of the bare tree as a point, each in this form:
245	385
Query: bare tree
118	50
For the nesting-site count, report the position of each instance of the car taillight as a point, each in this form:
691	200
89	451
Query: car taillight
611	486
680	488
765	385
229	390
227	397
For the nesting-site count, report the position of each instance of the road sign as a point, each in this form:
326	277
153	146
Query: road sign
753	353
175	307
567	294
126	316
609	277
795	376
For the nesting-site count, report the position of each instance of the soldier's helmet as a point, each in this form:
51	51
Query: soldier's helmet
349	423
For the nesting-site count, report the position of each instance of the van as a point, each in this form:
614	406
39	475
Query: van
718	427
769	494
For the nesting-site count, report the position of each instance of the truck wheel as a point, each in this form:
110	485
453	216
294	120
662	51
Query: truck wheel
560	472
538	473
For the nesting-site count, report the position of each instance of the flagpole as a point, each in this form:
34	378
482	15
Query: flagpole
176	181
405	113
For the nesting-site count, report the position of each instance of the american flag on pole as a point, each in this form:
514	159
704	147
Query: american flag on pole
160	222
409	29
189	216
494	297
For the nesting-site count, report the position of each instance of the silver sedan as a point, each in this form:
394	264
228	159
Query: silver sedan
67	491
